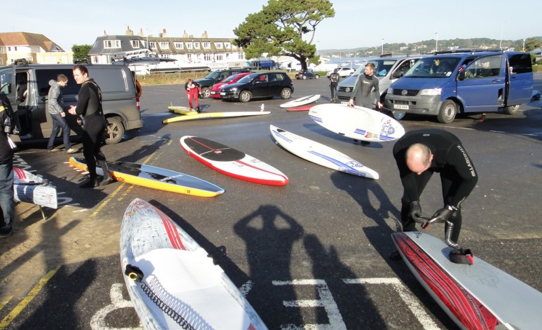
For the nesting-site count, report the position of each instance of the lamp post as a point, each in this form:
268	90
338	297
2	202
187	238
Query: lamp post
523	44
502	30
382	50
436	42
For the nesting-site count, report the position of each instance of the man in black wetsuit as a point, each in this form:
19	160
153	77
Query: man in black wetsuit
421	153
334	78
89	105
363	95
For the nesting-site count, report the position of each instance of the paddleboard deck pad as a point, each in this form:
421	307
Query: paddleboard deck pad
172	281
477	296
301	108
215	115
357	122
301	101
30	188
182	110
232	162
155	178
320	154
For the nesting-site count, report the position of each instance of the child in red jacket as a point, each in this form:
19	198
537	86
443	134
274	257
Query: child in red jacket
193	90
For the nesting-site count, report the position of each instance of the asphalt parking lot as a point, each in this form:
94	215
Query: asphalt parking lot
312	254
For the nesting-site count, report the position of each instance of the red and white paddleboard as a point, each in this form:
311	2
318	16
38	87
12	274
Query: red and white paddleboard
232	162
172	281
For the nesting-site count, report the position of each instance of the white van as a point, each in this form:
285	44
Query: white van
27	86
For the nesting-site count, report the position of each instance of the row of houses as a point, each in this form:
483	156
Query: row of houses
33	47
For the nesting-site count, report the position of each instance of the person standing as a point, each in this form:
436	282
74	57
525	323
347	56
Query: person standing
89	106
55	102
7	204
366	93
192	89
418	155
333	82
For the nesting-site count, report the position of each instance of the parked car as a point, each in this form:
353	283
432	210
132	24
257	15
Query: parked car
343	71
215	89
214	77
118	98
444	85
307	75
387	69
259	85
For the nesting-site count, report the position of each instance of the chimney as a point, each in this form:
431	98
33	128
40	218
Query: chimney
204	35
185	35
140	32
129	32
105	32
163	34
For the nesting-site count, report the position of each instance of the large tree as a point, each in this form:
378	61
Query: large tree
284	27
80	53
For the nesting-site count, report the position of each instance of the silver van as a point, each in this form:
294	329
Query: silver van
387	69
27	86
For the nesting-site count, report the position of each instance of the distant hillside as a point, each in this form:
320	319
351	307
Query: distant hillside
425	46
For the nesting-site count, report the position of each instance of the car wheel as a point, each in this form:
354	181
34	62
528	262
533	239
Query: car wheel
511	110
115	130
447	112
285	93
304	77
245	96
316	77
205	93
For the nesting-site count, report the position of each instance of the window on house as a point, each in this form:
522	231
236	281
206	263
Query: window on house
188	45
208	57
164	45
227	45
206	45
219	57
196	45
134	43
178	45
152	44
111	44
218	45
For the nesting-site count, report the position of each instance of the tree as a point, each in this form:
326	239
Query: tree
80	52
280	27
532	44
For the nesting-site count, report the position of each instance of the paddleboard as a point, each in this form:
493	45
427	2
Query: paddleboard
30	188
232	162
320	154
357	122
301	108
477	296
215	115
182	110
300	101
155	178
172	281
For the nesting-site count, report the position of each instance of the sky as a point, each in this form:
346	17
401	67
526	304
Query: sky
357	23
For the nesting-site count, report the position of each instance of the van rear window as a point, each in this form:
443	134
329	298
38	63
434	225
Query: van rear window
109	80
520	63
44	76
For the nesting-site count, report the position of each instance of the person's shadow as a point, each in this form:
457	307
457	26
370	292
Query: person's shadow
269	235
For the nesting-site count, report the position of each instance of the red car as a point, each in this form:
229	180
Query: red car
215	89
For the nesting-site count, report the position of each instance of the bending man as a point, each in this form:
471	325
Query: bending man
421	153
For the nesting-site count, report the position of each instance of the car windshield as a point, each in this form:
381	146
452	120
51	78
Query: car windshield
246	79
212	75
382	67
433	67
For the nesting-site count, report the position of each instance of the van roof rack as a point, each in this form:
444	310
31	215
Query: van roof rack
468	50
386	55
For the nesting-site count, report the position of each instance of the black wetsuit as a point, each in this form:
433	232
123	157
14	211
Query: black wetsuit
363	89
334	81
457	173
89	105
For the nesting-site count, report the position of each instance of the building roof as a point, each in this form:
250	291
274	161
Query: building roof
29	39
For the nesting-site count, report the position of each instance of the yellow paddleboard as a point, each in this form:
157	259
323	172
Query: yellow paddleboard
182	110
215	115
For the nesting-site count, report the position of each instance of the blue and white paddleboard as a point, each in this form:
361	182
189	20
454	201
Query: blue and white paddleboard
320	154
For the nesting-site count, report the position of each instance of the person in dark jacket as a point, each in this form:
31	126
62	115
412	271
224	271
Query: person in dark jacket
421	153
89	106
334	78
7	205
55	102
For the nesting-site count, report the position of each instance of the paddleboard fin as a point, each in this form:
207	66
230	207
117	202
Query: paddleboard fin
134	273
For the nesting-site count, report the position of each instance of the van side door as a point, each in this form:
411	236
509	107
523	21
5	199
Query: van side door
482	84
520	78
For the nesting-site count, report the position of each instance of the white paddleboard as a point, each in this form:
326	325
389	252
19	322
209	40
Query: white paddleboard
232	162
301	101
176	284
30	188
320	154
477	296
357	122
